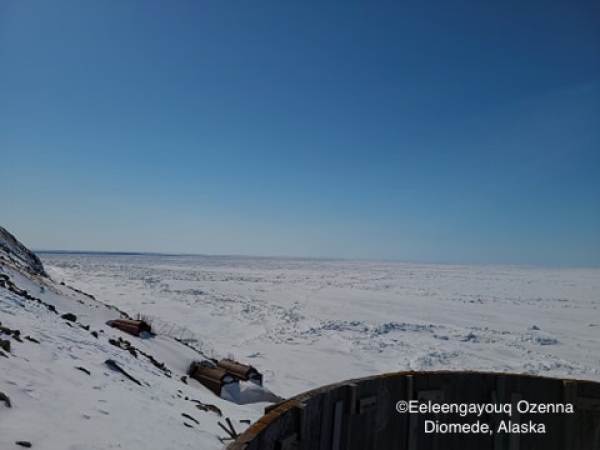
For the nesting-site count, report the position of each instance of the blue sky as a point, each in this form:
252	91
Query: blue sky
418	131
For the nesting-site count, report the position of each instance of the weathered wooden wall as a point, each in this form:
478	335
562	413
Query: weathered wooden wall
361	414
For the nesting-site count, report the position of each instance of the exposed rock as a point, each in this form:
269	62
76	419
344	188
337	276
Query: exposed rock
69	316
4	398
19	254
5	345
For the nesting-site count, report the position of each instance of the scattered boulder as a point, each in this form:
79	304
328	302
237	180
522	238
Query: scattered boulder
5	345
4	398
69	316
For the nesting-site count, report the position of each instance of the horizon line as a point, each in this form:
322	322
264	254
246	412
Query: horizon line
317	258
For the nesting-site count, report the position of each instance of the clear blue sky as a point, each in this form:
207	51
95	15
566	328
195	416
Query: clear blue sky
431	131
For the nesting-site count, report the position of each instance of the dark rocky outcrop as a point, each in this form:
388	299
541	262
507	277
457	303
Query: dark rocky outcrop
20	255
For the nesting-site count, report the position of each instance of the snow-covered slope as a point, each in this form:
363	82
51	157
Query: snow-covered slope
60	388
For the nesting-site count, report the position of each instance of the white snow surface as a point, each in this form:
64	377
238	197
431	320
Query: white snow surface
302	323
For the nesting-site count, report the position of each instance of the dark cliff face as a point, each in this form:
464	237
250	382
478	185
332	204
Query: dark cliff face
12	250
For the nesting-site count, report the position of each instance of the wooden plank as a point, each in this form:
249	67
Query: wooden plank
338	413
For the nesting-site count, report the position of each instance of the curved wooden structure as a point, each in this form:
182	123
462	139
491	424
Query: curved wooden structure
362	414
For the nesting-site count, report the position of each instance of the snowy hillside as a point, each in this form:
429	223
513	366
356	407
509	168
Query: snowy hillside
60	381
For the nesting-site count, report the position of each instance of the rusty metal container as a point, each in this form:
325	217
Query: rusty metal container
243	372
134	327
211	376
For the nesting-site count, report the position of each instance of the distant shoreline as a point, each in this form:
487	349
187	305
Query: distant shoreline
313	258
